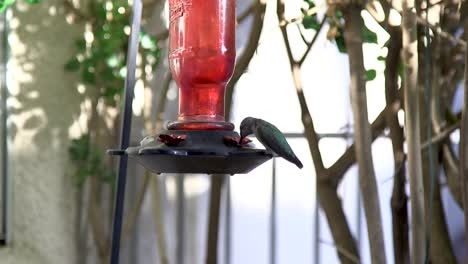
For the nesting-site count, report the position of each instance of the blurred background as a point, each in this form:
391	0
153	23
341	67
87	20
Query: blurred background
62	69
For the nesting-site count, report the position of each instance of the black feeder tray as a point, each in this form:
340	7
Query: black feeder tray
196	151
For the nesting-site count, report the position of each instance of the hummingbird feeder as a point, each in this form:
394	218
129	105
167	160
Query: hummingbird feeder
202	56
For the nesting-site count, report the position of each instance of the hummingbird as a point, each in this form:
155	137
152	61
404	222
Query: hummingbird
270	136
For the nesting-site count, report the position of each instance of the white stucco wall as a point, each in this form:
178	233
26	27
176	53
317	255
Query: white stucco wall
43	104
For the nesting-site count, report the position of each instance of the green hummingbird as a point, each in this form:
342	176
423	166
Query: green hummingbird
270	136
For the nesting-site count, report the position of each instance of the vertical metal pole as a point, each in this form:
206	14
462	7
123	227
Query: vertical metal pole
180	219
126	126
316	257
273	215
228	230
217	181
359	220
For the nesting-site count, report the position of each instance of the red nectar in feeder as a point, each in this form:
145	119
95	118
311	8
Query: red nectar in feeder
202	57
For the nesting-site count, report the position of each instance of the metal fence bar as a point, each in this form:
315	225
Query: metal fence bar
227	228
316	258
180	249
273	234
217	181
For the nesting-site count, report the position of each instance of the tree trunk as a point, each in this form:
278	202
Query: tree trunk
362	131
399	200
440	247
326	183
410	60
464	144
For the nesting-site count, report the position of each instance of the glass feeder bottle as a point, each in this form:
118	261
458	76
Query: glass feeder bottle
202	55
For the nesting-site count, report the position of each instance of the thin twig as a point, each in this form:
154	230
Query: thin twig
326	190
441	136
437	29
302	34
311	11
244	59
309	45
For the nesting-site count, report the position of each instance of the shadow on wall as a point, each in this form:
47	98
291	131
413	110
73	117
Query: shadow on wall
43	104
44	101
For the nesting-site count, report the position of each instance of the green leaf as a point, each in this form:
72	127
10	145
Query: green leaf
123	72
110	92
108	177
72	65
371	74
88	76
107	74
381	58
79	148
80	44
4	4
113	61
339	14
368	36
340	43
81	175
147	42
33	1
310	3
311	22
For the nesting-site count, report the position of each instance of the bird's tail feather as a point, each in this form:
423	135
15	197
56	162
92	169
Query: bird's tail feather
298	163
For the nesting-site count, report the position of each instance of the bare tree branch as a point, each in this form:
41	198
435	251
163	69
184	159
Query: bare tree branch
362	132
243	60
326	190
399	199
309	45
410	61
158	210
94	214
339	168
302	34
464	143
136	209
449	161
442	136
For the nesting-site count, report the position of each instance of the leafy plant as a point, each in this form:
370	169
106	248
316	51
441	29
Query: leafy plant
100	61
310	21
337	33
88	160
4	4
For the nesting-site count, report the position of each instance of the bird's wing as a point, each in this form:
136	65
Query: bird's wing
272	138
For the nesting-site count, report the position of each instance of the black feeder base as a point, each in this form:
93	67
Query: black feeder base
195	151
